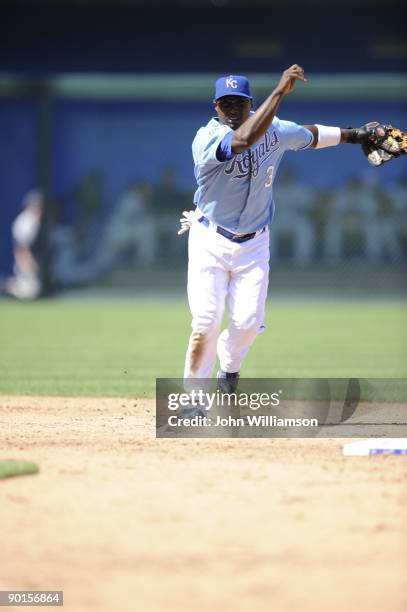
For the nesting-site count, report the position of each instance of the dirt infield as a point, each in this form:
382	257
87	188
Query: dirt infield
121	521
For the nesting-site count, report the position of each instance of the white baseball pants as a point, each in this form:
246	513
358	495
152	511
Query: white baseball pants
223	272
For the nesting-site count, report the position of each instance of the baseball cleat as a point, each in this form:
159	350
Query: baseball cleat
190	412
227	381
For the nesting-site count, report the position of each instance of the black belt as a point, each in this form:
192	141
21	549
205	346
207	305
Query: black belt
230	235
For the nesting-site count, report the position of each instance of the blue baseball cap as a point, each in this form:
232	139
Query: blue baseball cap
232	86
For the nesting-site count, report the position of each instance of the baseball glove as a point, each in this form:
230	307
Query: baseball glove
381	143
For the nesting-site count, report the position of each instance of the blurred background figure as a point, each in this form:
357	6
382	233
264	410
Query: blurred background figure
75	232
292	231
398	220
125	237
390	224
168	200
25	284
129	233
352	226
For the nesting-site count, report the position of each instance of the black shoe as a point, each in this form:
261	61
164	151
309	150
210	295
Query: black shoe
186	413
227	381
191	412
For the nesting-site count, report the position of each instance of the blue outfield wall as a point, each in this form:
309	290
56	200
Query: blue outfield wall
132	141
18	166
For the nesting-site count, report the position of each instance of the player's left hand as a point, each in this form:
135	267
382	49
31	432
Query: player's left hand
381	143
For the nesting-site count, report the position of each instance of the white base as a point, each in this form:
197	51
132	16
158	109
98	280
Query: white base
380	446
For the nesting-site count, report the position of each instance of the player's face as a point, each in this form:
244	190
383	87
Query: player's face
233	110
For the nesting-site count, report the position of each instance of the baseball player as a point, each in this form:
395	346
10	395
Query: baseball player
236	157
26	282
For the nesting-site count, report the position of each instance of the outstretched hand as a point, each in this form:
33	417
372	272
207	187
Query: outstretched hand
288	78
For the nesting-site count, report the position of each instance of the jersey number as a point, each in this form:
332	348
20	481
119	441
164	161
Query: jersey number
269	173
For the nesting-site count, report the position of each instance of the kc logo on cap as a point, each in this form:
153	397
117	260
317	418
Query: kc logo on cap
231	82
232	86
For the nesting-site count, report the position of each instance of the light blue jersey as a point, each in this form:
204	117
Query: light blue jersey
237	193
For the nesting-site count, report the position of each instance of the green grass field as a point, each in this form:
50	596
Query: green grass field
103	348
